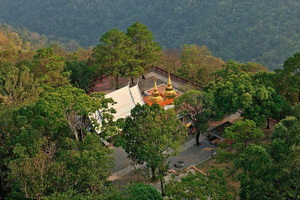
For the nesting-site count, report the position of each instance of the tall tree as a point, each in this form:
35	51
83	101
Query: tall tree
113	54
287	80
198	107
151	135
147	52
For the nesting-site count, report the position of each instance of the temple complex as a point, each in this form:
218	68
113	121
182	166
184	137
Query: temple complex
126	98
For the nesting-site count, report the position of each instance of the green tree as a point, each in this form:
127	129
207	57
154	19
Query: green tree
252	67
88	163
82	166
232	67
198	107
30	173
284	150
199	186
17	84
70	106
113	54
272	172
286	135
137	191
198	63
234	92
49	68
147	52
295	111
151	135
257	176
243	132
267	103
108	193
81	75
287	80
288	187
48	149
253	93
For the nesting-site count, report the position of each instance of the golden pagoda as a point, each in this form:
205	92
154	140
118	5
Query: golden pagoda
155	96
169	92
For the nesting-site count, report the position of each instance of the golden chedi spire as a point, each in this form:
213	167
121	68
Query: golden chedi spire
155	96
169	92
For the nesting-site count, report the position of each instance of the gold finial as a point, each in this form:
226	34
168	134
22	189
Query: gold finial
169	79
155	97
169	93
155	85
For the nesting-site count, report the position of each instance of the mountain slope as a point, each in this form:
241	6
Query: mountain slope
263	31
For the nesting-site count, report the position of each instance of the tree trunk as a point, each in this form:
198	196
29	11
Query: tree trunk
132	82
268	123
197	138
117	81
82	125
153	173
73	126
162	186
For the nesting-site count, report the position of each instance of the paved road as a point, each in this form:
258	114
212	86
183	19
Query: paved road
190	155
121	160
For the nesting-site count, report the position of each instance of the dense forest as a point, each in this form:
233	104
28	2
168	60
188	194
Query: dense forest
259	31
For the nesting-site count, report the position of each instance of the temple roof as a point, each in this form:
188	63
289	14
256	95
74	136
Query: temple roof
126	98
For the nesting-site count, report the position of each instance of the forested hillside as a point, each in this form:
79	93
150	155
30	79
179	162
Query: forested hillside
50	146
262	31
24	40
